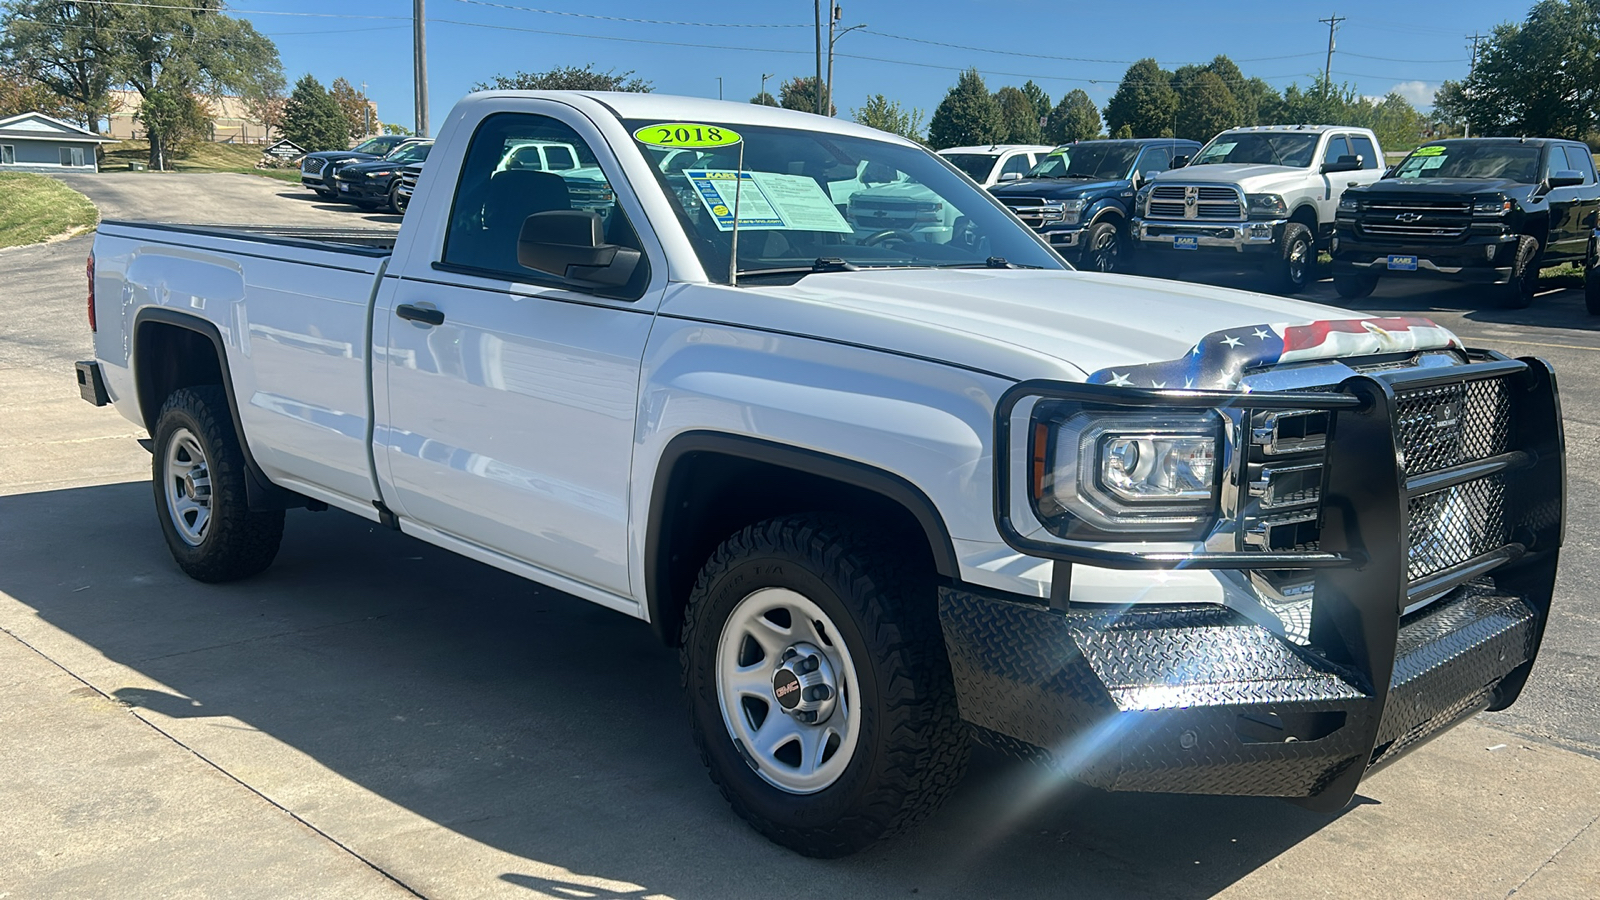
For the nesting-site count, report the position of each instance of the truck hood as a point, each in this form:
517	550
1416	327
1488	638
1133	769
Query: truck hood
1015	323
1444	187
1056	188
1251	178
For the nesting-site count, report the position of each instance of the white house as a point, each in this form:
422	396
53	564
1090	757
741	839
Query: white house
35	142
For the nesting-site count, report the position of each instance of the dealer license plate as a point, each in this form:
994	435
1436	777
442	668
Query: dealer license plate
1403	263
1185	242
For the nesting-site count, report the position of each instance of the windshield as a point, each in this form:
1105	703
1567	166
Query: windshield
976	165
806	196
1102	160
410	152
378	146
1516	162
1264	148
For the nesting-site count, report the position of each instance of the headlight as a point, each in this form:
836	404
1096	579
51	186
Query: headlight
1266	206
1491	206
1110	474
1348	204
1070	209
384	174
1142	197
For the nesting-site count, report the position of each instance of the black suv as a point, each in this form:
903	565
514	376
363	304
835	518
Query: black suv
317	169
1080	196
375	183
1488	210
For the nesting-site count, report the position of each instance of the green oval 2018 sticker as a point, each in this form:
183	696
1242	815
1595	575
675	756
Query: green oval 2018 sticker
672	135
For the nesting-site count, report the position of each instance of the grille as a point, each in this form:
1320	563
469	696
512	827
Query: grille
1033	211
1414	231
1439	427
1426	220
408	179
1185	201
313	166
1454	525
1427	206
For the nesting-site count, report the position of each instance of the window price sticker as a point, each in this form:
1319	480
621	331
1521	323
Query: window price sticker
767	201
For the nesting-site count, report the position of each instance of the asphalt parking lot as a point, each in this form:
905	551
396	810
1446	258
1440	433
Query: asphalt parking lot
374	717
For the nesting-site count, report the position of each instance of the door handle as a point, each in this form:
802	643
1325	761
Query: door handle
419	314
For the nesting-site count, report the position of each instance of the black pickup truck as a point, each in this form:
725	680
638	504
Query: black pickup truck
1486	210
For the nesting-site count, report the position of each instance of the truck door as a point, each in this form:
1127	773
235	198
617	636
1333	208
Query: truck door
507	414
1572	209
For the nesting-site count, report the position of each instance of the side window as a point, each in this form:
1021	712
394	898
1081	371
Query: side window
1017	164
8	155
1153	159
504	181
1580	160
66	156
1362	145
1337	147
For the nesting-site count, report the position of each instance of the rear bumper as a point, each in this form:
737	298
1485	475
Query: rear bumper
1201	700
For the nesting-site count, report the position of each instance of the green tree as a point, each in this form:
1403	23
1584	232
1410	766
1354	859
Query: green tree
1259	101
177	117
1245	98
1323	103
1144	102
968	115
171	51
21	94
312	120
764	98
1536	78
1124	133
1397	123
68	49
1075	118
888	115
359	116
1041	100
1208	108
1019	119
568	78
801	93
396	128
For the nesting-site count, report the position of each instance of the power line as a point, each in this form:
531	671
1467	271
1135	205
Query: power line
1392	59
576	15
1079	59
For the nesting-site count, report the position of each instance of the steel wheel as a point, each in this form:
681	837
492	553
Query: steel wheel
187	478
788	690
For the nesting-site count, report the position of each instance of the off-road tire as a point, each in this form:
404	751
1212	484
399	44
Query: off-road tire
1354	285
238	543
1115	257
912	748
1518	293
1289	274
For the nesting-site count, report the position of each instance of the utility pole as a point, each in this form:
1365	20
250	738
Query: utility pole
1327	70
834	16
1472	69
420	64
719	87
764	77
366	109
816	9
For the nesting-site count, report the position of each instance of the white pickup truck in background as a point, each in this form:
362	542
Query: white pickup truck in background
884	493
1260	196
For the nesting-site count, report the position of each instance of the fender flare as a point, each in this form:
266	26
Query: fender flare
886	484
260	492
1106	209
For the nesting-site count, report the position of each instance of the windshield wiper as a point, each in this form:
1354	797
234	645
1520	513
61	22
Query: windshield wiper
993	262
822	264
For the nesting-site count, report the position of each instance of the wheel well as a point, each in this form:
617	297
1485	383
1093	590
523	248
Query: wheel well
710	486
1306	215
167	357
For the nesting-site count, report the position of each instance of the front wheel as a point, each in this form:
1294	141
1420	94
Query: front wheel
1524	274
1103	247
1291	271
199	474
1354	286
819	691
397	203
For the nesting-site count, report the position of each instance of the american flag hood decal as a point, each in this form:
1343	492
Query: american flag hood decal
1221	358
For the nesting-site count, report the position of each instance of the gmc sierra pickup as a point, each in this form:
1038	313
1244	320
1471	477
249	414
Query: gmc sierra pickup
885	495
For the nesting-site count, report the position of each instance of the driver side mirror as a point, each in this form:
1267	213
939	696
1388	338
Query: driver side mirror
1345	163
570	244
1011	176
1179	162
1564	178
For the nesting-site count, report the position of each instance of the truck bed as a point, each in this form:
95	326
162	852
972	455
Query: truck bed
370	242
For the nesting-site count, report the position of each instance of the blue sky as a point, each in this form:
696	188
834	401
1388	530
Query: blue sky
1381	46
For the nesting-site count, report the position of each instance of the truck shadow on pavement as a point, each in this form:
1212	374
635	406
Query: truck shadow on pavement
533	723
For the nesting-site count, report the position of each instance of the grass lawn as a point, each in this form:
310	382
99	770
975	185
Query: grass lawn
36	207
203	157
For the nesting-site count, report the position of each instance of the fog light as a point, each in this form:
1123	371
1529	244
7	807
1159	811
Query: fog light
1488	252
1262	232
1333	245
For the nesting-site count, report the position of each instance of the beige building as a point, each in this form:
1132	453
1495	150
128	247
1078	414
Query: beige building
231	121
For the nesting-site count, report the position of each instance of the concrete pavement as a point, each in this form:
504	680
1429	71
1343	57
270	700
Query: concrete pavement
373	716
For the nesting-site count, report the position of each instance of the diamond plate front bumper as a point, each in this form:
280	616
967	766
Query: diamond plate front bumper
1201	700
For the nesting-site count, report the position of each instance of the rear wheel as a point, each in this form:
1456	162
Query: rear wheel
198	475
1103	248
1291	273
1354	285
819	692
1524	282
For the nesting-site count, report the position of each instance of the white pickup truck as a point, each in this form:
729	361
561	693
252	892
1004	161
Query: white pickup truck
886	495
1263	196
